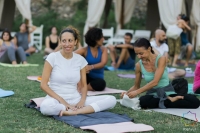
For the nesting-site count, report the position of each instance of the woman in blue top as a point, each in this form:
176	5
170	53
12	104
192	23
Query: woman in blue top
96	55
153	67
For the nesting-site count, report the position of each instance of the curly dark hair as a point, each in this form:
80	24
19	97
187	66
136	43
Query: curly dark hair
92	36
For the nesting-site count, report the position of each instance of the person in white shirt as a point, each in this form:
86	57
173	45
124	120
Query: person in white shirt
160	47
63	70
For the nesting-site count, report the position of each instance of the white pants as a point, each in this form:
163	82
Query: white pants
51	106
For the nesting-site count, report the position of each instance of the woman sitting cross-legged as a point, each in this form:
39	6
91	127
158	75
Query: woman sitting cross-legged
154	69
8	52
65	69
96	55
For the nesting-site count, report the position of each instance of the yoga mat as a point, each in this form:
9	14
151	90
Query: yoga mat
105	91
5	93
191	114
101	122
34	78
189	75
9	65
96	118
190	90
111	68
119	127
132	76
18	65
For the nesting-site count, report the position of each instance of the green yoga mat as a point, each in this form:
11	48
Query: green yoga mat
17	65
190	90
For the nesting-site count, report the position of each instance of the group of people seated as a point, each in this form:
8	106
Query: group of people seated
72	73
15	49
69	72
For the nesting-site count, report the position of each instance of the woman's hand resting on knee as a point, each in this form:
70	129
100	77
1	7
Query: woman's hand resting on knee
70	107
80	104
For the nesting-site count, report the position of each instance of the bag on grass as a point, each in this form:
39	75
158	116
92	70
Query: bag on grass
180	86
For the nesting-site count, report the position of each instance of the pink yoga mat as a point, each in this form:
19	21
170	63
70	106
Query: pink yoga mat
132	76
106	91
119	127
32	77
38	101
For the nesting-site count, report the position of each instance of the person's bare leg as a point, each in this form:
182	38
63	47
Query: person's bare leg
175	60
84	110
90	87
173	99
177	74
30	50
124	55
188	54
113	54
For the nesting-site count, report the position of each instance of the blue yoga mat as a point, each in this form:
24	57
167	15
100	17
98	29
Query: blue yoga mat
111	68
5	93
88	119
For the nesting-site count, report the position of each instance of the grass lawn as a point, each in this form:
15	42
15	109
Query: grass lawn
14	117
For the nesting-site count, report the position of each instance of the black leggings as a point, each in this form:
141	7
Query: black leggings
97	84
189	101
197	91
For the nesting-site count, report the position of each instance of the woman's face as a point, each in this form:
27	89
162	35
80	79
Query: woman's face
6	36
22	27
142	53
54	30
100	42
68	42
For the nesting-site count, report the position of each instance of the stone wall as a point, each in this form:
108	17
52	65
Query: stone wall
67	8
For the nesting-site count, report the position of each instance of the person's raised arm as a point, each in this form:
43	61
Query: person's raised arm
186	26
44	84
158	74
32	28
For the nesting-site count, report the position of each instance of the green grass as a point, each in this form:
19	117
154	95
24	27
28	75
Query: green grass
14	117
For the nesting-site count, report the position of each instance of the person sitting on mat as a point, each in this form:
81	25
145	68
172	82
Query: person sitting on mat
96	55
153	67
160	47
22	38
126	59
65	69
8	52
196	86
51	42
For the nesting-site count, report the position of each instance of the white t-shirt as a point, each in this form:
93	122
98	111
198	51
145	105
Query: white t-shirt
65	74
161	49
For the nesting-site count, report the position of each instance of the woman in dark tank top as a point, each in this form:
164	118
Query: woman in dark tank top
52	42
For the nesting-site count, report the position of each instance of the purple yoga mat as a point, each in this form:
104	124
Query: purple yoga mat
132	76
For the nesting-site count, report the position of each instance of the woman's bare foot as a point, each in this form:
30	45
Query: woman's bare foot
67	113
173	99
14	63
25	62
